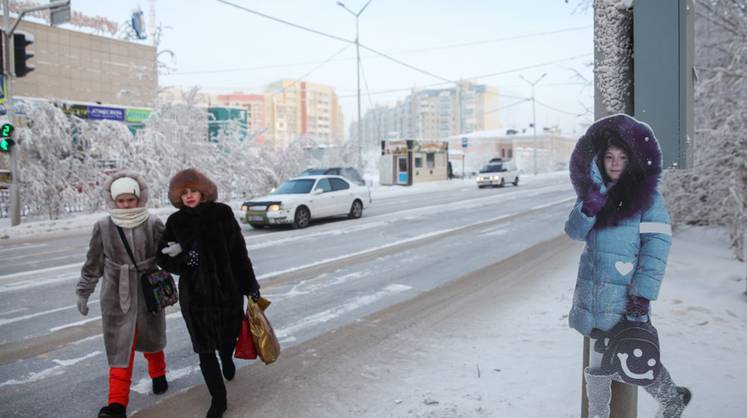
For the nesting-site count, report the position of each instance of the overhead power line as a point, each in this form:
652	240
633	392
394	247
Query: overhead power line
401	52
335	37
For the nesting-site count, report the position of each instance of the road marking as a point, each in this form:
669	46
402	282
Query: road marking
13	311
22	247
34	315
143	386
385	246
83	322
12	287
52	371
45	270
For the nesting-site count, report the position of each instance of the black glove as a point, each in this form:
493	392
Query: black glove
255	295
193	258
637	306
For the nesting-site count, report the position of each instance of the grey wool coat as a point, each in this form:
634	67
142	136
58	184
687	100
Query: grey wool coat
123	307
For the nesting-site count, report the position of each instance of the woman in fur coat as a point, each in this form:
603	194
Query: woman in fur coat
204	245
615	170
128	326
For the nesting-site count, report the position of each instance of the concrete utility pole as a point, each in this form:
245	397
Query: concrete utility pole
613	93
8	74
534	118
358	71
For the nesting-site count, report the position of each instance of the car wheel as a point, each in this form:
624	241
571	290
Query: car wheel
356	210
503	182
516	181
256	226
302	217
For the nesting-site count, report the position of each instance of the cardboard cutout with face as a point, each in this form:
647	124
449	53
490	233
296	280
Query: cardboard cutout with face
632	351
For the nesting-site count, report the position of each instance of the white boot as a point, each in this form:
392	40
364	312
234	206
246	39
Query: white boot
598	392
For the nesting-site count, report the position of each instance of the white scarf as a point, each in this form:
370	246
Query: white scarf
129	218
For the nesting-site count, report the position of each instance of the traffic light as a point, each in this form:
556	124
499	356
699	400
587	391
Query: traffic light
21	40
6	142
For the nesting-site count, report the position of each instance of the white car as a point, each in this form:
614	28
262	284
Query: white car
299	200
498	173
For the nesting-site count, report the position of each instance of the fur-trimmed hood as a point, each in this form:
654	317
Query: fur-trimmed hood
106	188
644	149
191	179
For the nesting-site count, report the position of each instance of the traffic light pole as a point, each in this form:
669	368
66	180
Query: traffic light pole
14	211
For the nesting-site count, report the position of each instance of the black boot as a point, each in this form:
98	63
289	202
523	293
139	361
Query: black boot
226	361
160	385
214	382
672	399
113	410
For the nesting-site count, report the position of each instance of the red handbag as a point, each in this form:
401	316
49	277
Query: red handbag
245	345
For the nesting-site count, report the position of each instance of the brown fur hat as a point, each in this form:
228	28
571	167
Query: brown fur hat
194	180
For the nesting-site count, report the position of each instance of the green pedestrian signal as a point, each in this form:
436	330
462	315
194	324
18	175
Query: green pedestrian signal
6	142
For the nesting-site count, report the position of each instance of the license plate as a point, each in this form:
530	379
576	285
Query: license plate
256	218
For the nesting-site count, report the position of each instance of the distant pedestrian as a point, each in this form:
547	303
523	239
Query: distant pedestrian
127	324
204	245
615	169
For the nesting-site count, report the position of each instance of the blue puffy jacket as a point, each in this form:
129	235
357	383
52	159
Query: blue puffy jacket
629	257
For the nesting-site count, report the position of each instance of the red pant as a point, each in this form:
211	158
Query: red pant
120	378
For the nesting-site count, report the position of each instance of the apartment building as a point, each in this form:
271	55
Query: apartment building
300	109
433	114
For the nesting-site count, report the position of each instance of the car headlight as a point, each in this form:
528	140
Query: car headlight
273	208
243	208
494	178
479	178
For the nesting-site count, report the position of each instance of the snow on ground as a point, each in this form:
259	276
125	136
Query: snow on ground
84	222
520	359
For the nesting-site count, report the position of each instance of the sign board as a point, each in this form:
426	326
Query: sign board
6	178
137	115
59	15
105	113
465	142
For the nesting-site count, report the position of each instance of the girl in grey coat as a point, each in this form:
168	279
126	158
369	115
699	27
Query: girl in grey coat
127	325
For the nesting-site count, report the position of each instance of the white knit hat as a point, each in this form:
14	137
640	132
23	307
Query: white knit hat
125	185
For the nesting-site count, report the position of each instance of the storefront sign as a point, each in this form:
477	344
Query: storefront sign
108	113
137	115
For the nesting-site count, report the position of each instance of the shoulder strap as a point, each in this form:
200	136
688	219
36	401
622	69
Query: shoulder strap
126	245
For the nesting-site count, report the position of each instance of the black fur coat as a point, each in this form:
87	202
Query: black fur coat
211	293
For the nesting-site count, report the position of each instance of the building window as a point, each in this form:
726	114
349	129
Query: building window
510	153
431	159
418	162
503	153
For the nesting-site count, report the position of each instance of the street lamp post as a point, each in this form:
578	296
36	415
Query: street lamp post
534	118
358	68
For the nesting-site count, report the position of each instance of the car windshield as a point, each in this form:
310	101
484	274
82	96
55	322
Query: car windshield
492	168
295	187
313	172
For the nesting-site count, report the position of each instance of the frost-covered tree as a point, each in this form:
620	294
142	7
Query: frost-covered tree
64	159
714	190
55	169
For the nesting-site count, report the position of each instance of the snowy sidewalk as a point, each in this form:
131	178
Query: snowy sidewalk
496	344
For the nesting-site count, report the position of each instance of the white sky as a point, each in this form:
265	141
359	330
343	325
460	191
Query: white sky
210	36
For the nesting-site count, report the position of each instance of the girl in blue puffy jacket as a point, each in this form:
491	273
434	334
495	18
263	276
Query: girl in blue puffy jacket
615	169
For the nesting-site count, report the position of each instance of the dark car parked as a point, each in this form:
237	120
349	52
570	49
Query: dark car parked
349	173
